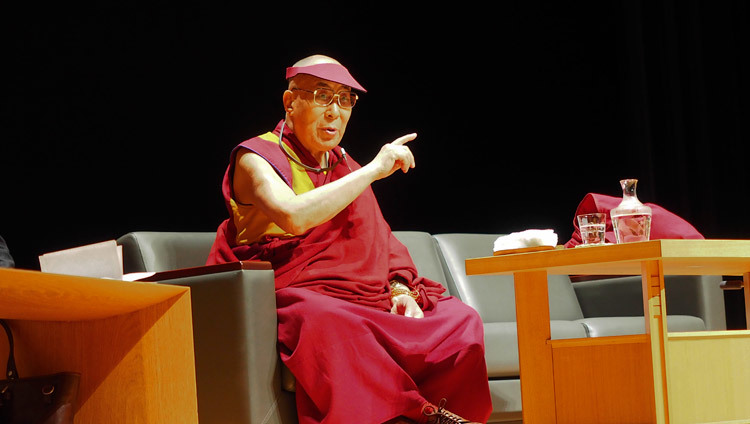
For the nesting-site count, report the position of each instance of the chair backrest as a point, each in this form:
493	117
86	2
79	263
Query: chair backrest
157	251
493	296
425	253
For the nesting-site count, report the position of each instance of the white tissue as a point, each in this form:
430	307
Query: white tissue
527	238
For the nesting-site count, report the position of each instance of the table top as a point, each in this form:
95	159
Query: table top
679	257
26	294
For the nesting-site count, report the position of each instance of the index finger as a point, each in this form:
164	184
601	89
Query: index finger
404	139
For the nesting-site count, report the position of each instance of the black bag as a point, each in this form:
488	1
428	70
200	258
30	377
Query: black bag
47	399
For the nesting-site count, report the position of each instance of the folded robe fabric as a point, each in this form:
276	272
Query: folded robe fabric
664	224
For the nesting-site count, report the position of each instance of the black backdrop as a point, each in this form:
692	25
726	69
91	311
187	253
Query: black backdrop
116	119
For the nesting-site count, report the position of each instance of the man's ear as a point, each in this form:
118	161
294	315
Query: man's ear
288	99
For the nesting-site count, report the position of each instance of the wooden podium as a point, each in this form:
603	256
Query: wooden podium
132	342
657	377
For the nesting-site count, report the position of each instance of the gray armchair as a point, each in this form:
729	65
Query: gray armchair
240	378
238	371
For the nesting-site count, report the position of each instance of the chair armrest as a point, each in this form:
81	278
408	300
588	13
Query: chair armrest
699	296
206	269
234	330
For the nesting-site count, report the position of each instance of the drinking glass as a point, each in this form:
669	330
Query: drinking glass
592	227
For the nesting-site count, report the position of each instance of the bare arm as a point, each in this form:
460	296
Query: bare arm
256	182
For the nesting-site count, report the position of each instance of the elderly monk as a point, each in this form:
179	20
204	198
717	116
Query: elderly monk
368	340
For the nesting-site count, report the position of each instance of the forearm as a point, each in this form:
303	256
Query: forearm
256	183
298	213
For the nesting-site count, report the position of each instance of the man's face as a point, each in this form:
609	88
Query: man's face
318	128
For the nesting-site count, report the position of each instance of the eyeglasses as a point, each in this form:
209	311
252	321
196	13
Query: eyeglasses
324	97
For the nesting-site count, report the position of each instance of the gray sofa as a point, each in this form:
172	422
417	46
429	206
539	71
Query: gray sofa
240	378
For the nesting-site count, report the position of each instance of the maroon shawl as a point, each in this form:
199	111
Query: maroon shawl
352	257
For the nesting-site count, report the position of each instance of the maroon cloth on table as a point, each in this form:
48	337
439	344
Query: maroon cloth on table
354	361
664	224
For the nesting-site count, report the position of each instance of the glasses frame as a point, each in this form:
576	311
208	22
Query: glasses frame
337	96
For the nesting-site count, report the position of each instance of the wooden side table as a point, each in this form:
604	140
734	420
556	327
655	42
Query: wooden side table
656	377
132	343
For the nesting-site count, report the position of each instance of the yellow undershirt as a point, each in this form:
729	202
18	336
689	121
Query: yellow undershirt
251	223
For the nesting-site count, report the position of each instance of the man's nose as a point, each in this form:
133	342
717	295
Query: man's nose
333	110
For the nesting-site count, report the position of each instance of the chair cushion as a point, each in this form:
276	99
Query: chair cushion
155	251
424	252
506	401
501	344
696	295
622	326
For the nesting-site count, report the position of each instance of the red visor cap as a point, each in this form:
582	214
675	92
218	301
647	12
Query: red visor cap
327	71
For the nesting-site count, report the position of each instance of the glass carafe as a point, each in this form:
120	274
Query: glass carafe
631	219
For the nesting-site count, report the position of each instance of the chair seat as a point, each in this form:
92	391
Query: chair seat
501	344
622	326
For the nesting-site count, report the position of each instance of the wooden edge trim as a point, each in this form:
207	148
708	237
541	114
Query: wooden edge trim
597	341
580	278
705	335
207	269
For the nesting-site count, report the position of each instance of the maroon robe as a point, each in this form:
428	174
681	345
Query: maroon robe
354	361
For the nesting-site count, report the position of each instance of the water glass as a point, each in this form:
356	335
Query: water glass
592	227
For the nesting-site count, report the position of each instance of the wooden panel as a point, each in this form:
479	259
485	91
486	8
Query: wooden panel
709	376
619	259
679	257
42	296
136	367
604	380
656	327
698	249
652	260
534	353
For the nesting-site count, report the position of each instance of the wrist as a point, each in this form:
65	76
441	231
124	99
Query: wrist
372	170
400	289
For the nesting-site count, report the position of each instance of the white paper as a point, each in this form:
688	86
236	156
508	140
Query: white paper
101	260
135	276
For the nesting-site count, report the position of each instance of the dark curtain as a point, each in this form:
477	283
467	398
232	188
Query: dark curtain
689	97
689	72
121	119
